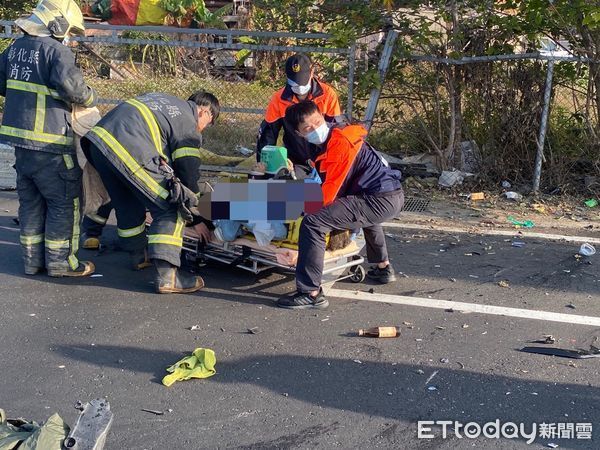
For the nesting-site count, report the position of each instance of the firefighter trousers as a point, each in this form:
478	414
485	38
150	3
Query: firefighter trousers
93	224
164	238
49	189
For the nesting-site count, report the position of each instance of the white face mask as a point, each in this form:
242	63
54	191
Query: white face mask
319	135
301	90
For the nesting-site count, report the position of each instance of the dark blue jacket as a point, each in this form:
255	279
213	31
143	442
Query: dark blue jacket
40	82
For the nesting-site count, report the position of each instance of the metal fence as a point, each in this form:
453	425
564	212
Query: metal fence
514	113
124	61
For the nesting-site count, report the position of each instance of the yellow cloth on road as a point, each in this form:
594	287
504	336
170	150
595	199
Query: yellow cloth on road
201	364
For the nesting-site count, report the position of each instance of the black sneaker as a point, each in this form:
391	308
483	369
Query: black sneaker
384	276
301	300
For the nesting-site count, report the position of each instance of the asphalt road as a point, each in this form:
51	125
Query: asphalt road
305	380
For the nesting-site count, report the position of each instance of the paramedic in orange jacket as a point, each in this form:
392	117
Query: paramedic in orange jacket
360	190
301	85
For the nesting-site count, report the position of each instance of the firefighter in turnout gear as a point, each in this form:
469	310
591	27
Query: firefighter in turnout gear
142	149
41	83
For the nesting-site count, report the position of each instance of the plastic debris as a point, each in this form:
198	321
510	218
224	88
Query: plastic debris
477	196
552	445
451	178
520	223
504	284
506	184
194	327
519	244
96	275
431	388
253	330
444	360
591	203
511	195
587	249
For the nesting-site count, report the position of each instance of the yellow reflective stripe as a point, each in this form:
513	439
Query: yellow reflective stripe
26	86
57	244
165	239
40	114
96	218
32	240
131	163
152	124
73	261
68	161
185	151
32	135
90	100
179	227
131	232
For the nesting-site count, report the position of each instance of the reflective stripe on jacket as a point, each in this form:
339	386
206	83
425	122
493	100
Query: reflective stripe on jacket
140	133
40	81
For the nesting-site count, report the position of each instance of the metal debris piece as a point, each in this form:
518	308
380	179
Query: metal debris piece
153	411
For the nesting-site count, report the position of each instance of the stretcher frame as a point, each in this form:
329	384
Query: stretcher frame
256	261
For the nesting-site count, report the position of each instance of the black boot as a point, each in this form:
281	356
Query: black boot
171	280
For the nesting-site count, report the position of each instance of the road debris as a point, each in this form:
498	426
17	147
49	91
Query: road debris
506	184
253	330
357	361
477	196
194	327
431	377
591	203
512	195
153	411
380	332
504	283
444	360
452	279
420	372
96	275
518	244
431	388
571	305
563	353
520	223
587	250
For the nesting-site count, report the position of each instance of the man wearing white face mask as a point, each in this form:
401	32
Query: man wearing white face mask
359	191
301	85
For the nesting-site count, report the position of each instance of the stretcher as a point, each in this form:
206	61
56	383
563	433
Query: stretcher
244	253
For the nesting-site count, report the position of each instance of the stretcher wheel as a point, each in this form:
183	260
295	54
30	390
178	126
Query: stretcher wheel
358	274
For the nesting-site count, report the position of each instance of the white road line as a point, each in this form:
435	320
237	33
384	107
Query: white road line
467	307
522	232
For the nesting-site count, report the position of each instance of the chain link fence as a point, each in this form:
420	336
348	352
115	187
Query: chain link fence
242	68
